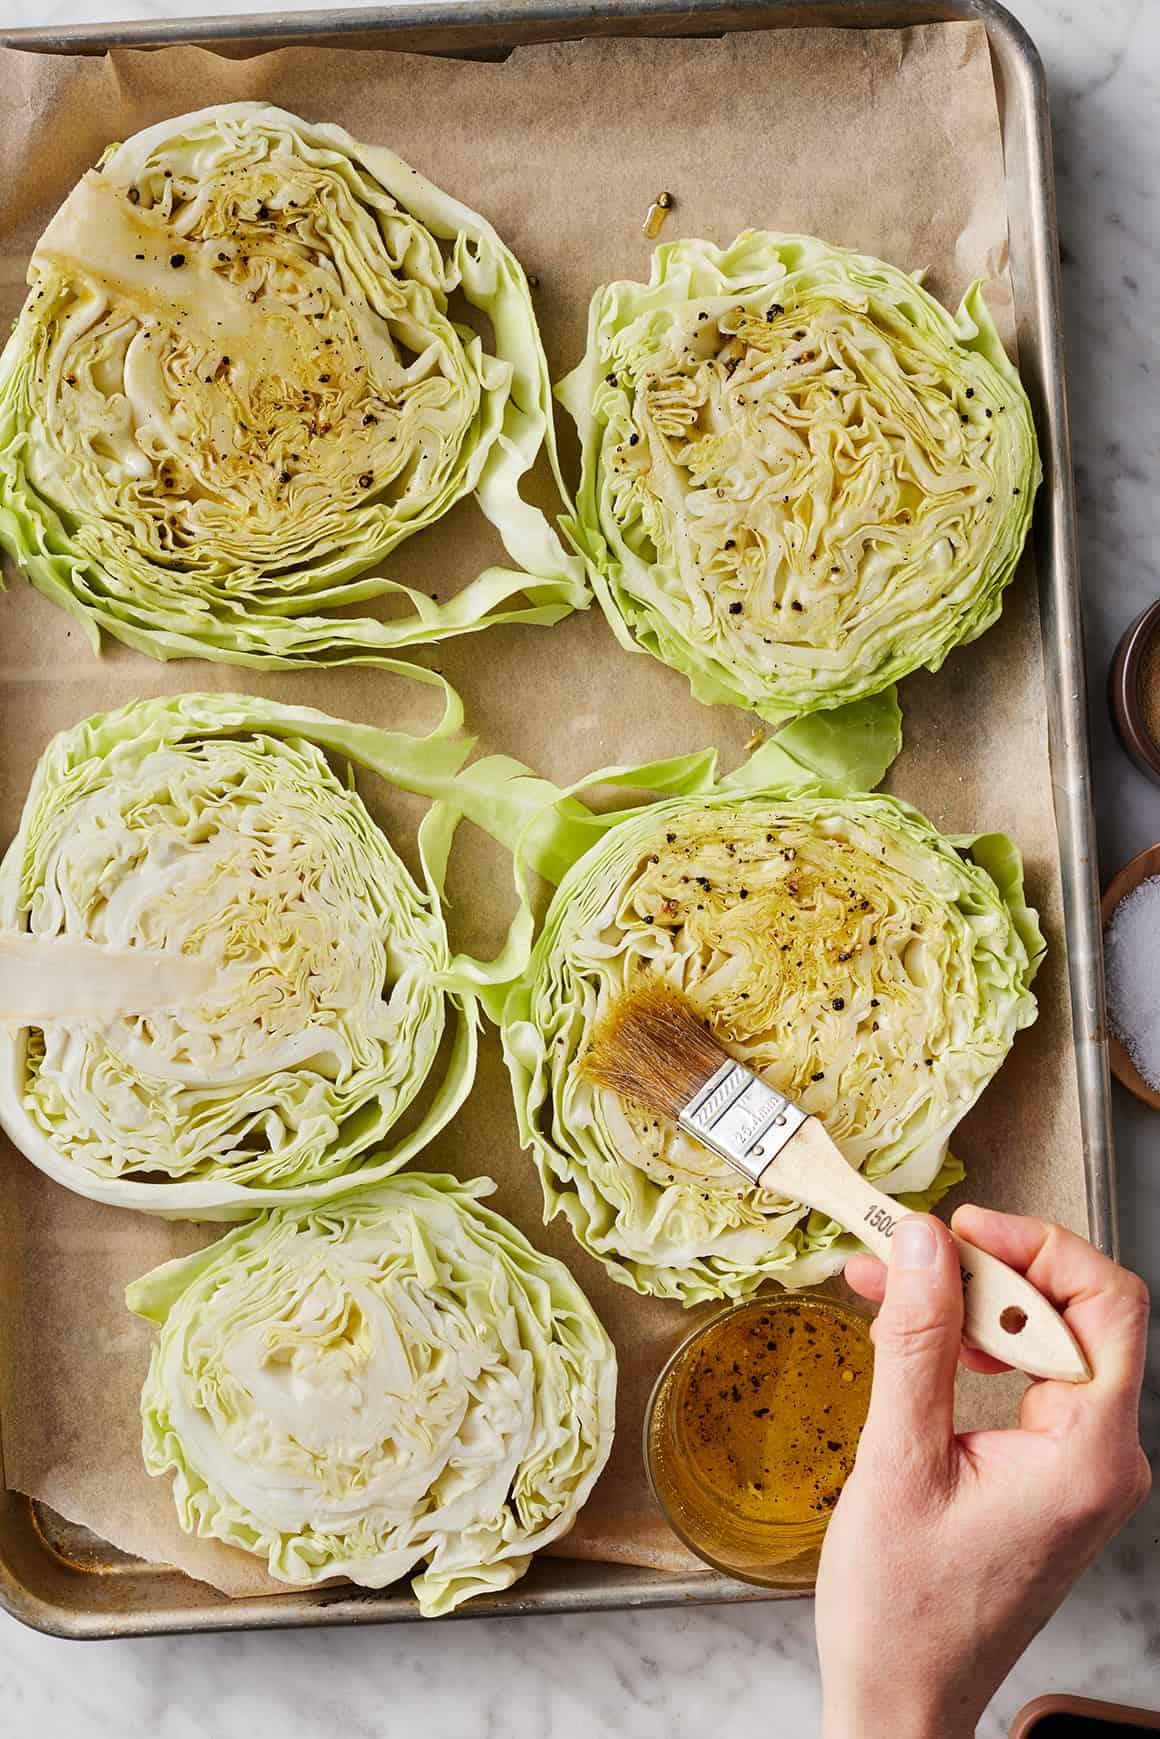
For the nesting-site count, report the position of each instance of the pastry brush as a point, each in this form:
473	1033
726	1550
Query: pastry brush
654	1048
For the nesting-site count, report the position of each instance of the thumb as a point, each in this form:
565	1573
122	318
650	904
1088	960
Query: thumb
917	1335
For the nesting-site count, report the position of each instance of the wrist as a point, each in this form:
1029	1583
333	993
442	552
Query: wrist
890	1719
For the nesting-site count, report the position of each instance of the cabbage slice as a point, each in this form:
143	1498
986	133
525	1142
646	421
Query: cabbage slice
867	966
801	477
239	382
397	1381
317	1018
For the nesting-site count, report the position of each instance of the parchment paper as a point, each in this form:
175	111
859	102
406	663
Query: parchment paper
887	141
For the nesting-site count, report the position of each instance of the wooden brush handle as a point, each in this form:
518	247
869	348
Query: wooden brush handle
1004	1315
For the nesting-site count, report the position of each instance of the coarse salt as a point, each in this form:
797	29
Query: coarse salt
1132	965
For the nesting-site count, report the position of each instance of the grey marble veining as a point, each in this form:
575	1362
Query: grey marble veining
751	1670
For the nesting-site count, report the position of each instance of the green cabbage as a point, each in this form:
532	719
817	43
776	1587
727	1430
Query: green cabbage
801	478
396	1378
209	835
869	968
237	385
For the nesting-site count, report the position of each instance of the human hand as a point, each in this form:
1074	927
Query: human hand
946	1554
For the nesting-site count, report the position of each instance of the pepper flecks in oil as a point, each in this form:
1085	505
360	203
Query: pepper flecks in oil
772	1408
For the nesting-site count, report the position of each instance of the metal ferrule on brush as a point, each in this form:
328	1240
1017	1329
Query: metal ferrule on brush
742	1119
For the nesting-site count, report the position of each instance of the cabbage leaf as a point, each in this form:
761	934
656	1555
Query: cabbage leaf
870	968
238	383
395	1381
801	477
319	1019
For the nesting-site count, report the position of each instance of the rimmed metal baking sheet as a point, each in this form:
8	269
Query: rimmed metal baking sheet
64	1580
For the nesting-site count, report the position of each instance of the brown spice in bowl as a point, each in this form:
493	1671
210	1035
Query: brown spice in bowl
1149	690
1134	691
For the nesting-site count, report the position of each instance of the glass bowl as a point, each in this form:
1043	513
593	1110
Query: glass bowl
1133	664
684	1446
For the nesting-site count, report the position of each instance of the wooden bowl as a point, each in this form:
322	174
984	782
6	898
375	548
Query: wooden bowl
1125	692
1104	1717
1144	864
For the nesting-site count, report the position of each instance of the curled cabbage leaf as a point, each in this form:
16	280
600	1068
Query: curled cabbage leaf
209	835
396	1379
869	968
802	478
237	384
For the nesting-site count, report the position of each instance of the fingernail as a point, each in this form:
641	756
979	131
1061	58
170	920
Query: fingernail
914	1245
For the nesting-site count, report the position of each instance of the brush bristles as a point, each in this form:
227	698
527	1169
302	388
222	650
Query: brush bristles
652	1047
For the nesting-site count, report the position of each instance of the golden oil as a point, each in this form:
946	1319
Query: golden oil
752	1431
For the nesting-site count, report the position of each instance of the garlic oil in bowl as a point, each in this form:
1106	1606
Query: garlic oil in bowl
752	1430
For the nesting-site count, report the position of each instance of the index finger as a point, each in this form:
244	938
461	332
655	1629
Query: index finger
1106	1306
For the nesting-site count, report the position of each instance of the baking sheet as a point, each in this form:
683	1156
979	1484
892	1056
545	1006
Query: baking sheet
864	127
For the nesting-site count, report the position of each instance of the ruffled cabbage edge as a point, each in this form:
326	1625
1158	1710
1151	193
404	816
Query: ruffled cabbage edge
428	766
550	830
524	1305
547	586
693	269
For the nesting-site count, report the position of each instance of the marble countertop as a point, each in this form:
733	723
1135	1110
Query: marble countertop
752	1669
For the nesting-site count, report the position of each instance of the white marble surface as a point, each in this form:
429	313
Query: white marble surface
751	1669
